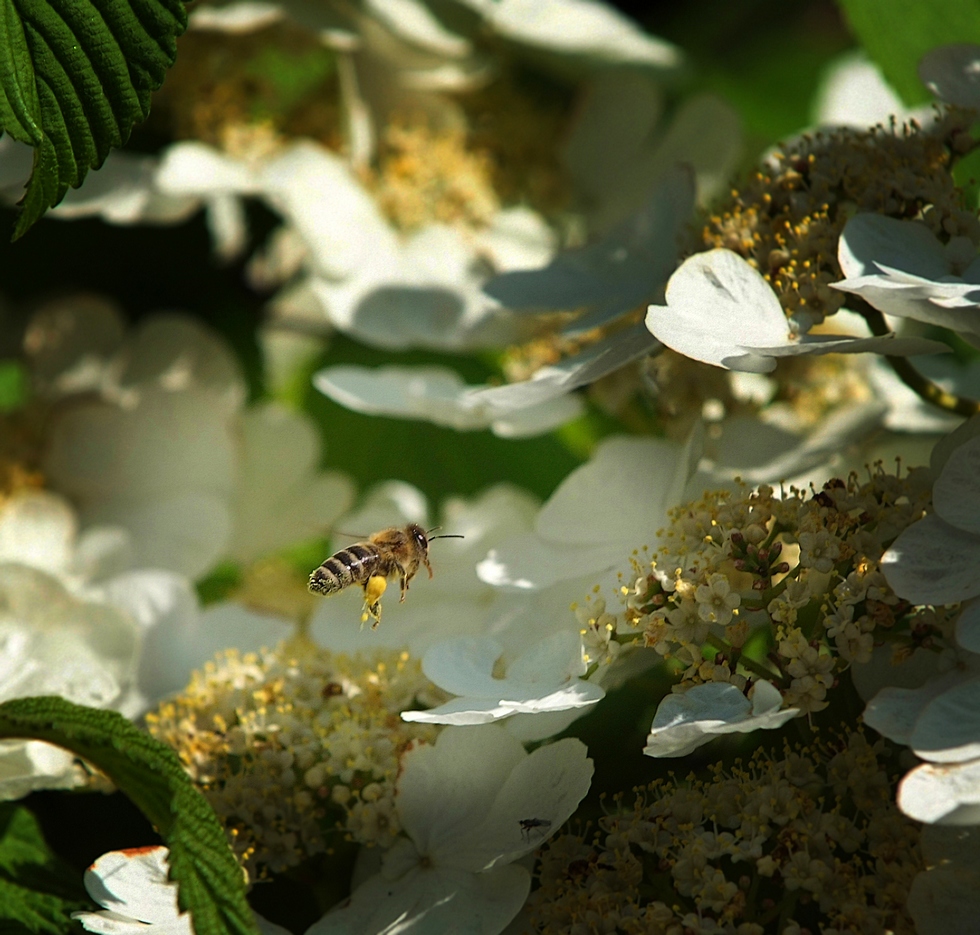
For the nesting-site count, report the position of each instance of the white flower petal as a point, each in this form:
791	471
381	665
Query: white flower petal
968	626
134	888
718	308
577	27
175	352
543	679
531	728
449	786
759	452
150	596
390	503
547	787
464	666
887	344
413	22
894	711
102	552
950	305
135	883
517	238
184	532
333	213
901	268
945	447
684	722
945	901
186	638
624	269
617	496
281	498
162	470
616	117
552	659
476	710
423	291
853	93
431	902
956	493
948	728
237	18
595	362
437	395
193	168
575	694
932	562
461	712
528	563
55	644
869	240
880	673
945	793
722	312
37	528
124	191
30	766
952	73
70	341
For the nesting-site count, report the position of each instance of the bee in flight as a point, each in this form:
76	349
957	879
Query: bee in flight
398	550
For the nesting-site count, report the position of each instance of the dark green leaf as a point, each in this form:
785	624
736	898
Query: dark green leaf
898	33
201	862
37	892
75	76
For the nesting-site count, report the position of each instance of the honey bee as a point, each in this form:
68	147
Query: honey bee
393	551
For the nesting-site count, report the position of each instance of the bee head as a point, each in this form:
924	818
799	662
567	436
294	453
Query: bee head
419	537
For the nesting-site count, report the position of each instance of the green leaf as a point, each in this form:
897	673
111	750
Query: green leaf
75	76
211	885
38	892
13	385
898	33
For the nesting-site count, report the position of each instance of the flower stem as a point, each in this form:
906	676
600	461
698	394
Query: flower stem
915	381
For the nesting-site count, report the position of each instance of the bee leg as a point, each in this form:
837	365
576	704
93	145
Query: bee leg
406	576
374	588
428	567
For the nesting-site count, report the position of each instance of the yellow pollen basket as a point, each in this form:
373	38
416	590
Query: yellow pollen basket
373	592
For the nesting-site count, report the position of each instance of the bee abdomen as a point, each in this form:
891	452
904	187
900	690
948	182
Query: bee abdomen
353	565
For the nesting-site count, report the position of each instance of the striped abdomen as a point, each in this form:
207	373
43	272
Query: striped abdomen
353	565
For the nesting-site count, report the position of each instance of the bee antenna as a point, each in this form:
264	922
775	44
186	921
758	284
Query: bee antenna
446	537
